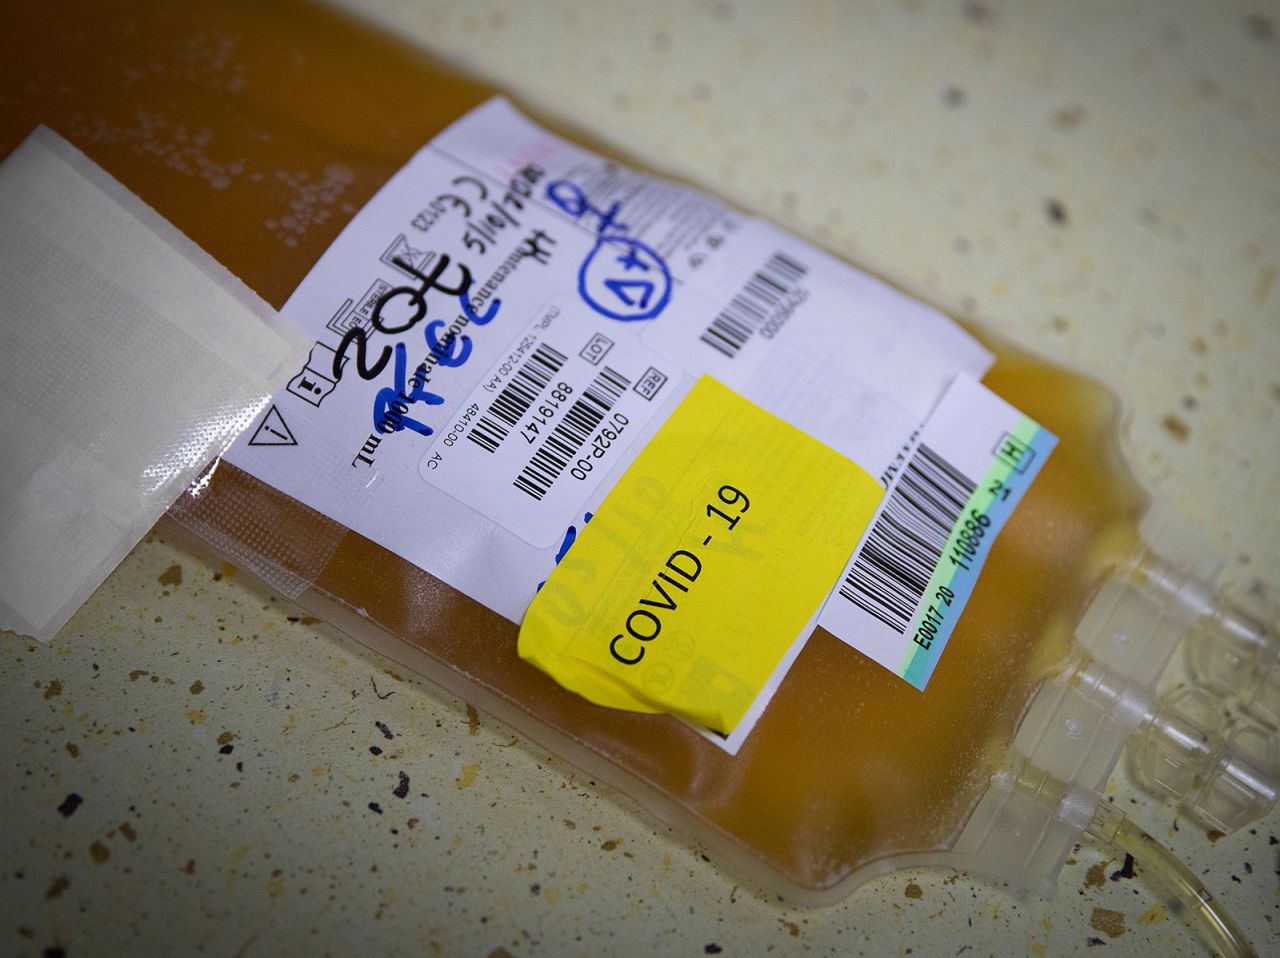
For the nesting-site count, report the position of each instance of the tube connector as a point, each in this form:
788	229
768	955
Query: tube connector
1225	774
1235	652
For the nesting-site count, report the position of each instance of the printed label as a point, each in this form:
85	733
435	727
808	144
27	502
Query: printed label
547	422
434	408
775	292
659	244
949	497
646	613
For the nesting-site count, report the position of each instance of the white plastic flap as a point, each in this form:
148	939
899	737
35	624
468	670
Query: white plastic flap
131	361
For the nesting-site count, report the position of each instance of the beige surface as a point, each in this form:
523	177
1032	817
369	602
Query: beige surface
1100	181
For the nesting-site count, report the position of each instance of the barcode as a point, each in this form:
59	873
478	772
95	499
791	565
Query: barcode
579	421
895	562
753	304
516	398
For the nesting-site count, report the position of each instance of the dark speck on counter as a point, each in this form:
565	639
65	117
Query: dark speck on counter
1259	27
1125	871
1056	212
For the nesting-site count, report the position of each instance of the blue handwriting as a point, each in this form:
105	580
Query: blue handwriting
621	278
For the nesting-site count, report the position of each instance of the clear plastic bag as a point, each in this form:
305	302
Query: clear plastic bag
850	772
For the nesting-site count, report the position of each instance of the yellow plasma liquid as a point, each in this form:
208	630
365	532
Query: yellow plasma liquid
259	130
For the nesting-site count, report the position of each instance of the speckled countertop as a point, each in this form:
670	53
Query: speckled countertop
192	766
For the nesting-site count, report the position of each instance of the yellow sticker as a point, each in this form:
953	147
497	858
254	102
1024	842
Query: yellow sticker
701	567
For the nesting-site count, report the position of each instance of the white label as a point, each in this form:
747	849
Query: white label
835	409
949	494
547	423
428	306
777	292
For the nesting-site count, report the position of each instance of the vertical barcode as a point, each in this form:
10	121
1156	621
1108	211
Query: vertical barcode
515	399
892	569
579	421
753	304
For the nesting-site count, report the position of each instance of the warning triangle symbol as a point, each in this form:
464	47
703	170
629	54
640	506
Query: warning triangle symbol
272	431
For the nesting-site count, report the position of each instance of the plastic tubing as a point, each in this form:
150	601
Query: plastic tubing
1164	874
1184	893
